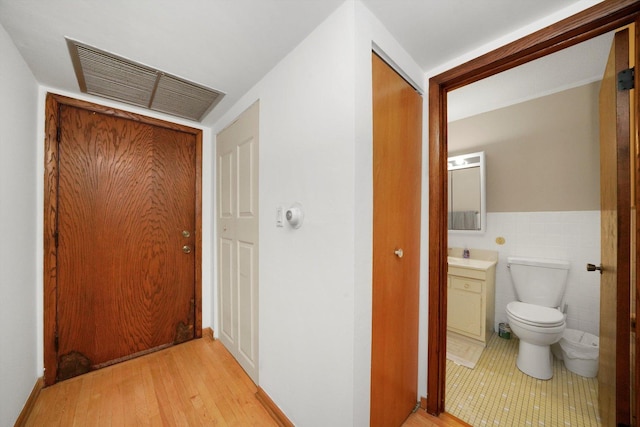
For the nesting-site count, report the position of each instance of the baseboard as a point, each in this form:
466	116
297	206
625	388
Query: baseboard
207	333
30	403
423	403
273	409
452	420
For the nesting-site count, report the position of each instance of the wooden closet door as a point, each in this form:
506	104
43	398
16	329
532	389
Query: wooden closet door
397	162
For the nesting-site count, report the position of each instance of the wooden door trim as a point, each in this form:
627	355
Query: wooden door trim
592	22
635	161
52	108
623	306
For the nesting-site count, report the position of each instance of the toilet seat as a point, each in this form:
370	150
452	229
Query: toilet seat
535	315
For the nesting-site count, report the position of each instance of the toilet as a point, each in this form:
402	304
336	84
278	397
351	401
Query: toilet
535	318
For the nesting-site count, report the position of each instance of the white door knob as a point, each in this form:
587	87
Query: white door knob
399	253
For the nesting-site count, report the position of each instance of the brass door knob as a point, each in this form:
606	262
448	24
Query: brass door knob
186	249
593	267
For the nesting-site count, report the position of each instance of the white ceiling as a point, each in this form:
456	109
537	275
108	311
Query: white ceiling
229	45
579	65
435	31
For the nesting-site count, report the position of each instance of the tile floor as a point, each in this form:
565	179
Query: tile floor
497	393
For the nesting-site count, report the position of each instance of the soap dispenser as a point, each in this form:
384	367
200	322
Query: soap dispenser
465	253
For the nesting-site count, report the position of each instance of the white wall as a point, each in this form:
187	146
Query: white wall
572	236
315	282
306	290
18	109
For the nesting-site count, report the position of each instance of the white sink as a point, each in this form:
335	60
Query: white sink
476	264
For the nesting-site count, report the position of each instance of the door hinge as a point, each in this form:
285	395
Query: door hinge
626	79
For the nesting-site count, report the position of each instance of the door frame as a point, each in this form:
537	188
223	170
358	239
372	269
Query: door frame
597	20
52	109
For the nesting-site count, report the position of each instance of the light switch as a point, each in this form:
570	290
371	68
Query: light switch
279	216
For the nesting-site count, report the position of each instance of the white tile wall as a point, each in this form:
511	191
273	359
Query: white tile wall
572	236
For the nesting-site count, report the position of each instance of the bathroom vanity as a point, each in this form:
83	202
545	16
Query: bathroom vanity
471	297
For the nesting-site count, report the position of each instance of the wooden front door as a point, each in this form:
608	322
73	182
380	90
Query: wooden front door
397	148
615	187
126	240
237	222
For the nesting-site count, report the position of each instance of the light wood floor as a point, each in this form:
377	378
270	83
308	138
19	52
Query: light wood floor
197	383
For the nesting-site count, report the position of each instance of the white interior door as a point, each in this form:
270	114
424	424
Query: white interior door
237	228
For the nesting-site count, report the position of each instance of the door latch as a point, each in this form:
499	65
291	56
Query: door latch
593	267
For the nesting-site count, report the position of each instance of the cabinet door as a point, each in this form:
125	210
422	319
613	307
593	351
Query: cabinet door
464	312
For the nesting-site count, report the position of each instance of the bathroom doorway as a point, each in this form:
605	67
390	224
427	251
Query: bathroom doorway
532	215
440	85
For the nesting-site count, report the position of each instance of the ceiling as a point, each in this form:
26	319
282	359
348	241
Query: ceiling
578	65
229	45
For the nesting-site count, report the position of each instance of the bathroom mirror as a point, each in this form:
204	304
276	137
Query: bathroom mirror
467	201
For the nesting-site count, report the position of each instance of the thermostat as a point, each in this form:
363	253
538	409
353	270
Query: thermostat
294	215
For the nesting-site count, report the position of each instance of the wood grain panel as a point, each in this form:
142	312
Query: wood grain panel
613	377
197	280
436	352
110	174
49	241
597	20
635	283
126	193
194	384
397	161
609	231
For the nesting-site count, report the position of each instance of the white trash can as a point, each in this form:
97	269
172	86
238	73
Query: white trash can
580	352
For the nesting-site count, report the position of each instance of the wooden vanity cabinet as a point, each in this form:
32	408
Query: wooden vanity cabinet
471	301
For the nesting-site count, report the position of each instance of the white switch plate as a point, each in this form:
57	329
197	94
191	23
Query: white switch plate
279	216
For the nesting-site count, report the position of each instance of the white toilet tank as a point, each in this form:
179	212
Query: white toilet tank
539	281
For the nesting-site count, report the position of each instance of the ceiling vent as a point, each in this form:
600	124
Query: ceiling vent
110	76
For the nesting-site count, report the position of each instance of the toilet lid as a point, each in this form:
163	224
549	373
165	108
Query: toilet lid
535	314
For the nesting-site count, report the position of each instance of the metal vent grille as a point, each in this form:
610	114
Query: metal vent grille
110	76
